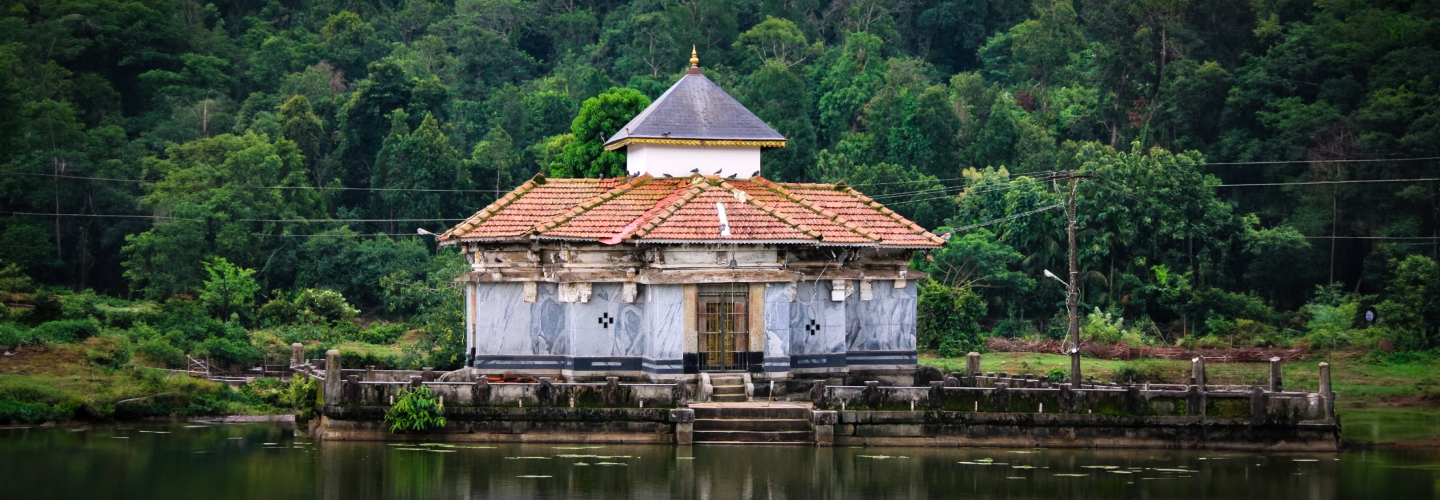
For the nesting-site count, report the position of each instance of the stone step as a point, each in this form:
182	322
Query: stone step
729	398
752	437
727	381
753	413
729	389
745	424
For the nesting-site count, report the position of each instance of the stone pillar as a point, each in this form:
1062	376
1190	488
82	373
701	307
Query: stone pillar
871	394
824	424
297	354
332	377
480	393
611	393
1075	368
1277	382
936	396
684	420
352	390
1197	367
1258	402
1000	397
545	392
1326	396
415	382
470	358
972	364
428	374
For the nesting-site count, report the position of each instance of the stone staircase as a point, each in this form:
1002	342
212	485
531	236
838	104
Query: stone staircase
752	425
728	388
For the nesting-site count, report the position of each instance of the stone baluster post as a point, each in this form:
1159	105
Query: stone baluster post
1277	382
1197	366
297	354
972	364
1075	368
1326	396
333	382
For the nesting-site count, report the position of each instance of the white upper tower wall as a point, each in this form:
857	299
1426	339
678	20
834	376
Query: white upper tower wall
660	160
695	127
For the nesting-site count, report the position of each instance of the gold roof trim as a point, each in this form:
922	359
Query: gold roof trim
695	142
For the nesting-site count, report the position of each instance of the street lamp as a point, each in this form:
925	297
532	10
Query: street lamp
1051	275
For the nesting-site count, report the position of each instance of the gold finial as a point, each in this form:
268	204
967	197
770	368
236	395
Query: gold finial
694	59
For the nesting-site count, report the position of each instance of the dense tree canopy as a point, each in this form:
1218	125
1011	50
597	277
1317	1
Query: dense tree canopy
144	141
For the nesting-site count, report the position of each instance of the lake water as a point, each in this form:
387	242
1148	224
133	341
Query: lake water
269	462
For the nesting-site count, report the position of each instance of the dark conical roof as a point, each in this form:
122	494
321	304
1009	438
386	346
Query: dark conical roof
696	109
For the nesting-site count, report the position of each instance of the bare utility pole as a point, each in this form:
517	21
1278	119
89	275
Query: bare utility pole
1072	290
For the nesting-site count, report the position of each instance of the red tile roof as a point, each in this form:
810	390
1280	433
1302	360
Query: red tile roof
650	210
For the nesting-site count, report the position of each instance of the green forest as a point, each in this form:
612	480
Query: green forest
219	180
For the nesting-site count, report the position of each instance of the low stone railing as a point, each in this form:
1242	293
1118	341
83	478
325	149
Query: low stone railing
359	388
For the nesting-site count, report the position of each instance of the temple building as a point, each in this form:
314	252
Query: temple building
694	263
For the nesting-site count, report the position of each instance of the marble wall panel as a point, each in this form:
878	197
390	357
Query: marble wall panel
549	322
886	323
777	320
665	309
812	303
589	336
502	319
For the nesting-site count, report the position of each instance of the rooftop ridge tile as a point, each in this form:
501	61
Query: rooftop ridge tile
492	209
587	205
818	210
880	207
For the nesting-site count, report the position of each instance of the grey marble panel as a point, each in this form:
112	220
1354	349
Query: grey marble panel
665	308
502	319
813	303
589	336
886	323
777	320
549	322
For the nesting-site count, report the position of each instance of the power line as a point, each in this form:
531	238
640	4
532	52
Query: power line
1009	218
1372	237
107	179
296	221
1285	162
1311	183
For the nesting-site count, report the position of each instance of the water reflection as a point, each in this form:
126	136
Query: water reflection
267	461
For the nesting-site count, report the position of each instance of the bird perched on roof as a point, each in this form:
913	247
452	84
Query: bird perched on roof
717	172
695	170
734	175
756	174
665	134
668	175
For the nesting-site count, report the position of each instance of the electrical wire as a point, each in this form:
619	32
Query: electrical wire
73	177
1312	183
1286	162
296	221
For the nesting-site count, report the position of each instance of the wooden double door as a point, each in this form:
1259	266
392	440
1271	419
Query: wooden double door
724	327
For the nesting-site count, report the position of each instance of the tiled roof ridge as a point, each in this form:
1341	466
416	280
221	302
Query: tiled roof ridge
763	207
880	207
817	209
494	207
593	202
666	207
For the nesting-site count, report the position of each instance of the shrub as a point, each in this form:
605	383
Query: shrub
381	334
20	412
14	335
309	306
111	351
1332	315
1144	370
949	314
1102	327
1057	375
158	351
301	395
228	351
415	410
66	331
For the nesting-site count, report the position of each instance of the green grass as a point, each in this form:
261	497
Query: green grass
62	379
